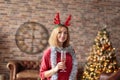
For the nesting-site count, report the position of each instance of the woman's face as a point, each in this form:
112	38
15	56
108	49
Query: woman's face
62	35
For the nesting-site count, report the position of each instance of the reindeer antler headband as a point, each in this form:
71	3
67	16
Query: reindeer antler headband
57	20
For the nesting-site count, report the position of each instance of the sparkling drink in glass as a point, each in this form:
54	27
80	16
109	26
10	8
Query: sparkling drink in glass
63	58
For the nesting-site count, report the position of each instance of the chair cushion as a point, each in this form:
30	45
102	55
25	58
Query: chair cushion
28	74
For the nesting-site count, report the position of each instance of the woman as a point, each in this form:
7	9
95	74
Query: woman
52	68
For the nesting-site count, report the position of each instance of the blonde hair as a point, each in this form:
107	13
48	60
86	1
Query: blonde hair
53	41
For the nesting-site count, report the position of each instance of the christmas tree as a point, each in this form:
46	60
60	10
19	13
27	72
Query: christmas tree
102	57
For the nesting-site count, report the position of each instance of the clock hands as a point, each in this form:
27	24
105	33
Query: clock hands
33	37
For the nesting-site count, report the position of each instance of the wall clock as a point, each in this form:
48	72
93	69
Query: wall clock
31	37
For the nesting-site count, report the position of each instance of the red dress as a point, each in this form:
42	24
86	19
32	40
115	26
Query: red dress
46	65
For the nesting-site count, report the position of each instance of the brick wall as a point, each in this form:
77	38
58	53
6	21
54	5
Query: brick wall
88	16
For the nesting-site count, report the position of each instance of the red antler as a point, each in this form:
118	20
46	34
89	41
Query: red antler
57	19
67	23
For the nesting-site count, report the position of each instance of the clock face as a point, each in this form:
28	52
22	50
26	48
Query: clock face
31	37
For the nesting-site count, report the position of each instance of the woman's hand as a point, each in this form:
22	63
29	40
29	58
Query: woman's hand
60	65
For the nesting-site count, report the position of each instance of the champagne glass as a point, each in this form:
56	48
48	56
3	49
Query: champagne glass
63	58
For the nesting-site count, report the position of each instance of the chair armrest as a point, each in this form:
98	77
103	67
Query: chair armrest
12	66
115	75
105	76
110	76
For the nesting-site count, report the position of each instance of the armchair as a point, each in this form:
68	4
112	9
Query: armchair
110	76
23	70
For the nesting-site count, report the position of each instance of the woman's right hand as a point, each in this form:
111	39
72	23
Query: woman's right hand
60	65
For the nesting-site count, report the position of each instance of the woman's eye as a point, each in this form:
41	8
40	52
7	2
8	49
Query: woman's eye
65	32
59	32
